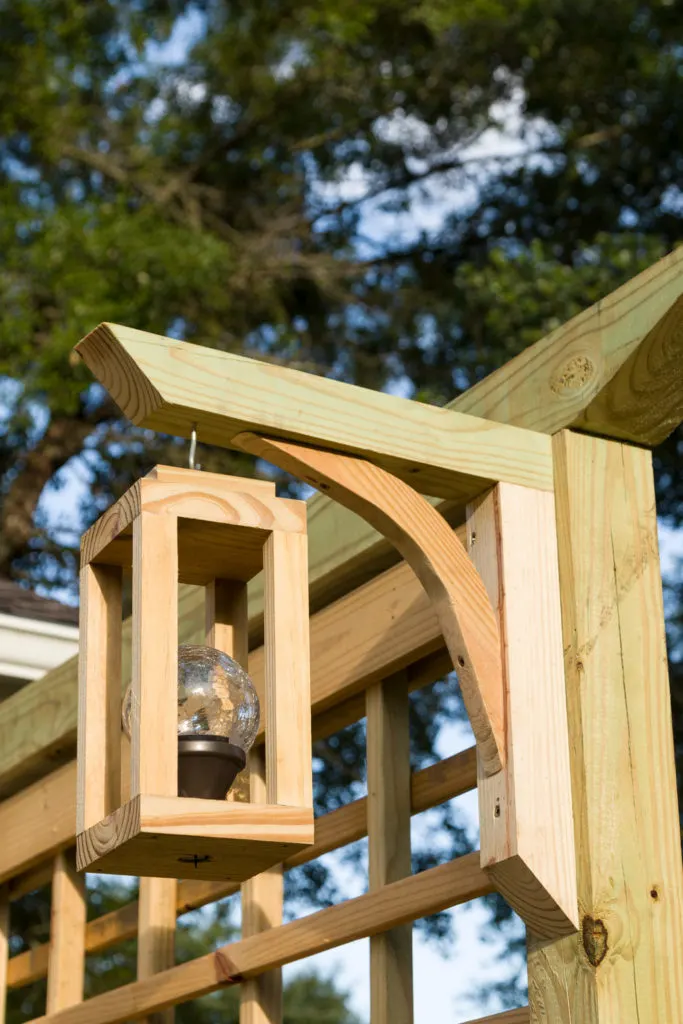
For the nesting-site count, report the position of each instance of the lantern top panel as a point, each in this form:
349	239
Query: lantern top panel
223	522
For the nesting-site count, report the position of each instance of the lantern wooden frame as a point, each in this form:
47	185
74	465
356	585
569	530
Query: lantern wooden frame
185	526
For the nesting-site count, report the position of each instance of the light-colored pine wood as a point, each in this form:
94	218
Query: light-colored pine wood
154	744
171	836
4	950
625	964
520	1016
429	787
343	552
438	559
244	484
38	822
262	904
99	703
171	386
222	528
554	383
525	813
388	806
66	960
227	629
289	777
156	933
376	630
425	893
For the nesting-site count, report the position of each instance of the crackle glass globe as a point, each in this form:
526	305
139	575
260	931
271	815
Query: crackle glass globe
216	697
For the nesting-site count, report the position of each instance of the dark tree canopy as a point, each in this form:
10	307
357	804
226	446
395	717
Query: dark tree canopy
217	171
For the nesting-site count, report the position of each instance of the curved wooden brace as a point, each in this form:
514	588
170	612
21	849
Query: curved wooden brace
437	557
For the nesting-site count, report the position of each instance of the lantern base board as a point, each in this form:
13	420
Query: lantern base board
180	837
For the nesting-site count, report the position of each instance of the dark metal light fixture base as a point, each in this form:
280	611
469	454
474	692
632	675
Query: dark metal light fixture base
207	766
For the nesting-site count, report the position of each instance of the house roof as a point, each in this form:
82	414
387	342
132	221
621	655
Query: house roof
25	604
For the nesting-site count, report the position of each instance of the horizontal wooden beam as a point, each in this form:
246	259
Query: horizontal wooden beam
172	386
615	370
427	893
430	787
520	1016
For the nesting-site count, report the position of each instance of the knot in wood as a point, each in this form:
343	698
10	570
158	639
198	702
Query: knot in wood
574	375
594	937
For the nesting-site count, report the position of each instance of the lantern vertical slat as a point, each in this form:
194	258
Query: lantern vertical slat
157	907
4	950
154	766
66	958
227	629
99	702
287	670
262	904
389	855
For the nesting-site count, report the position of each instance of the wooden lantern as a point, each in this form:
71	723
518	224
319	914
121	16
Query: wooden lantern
218	532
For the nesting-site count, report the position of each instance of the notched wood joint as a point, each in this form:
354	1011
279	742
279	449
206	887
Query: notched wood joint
226	970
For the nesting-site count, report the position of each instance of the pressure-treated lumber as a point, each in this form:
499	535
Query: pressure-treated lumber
429	787
4	950
174	387
625	964
427	893
439	561
520	1016
379	629
154	766
287	671
525	812
66	958
99	702
156	933
262	905
38	723
388	767
614	369
166	835
227	630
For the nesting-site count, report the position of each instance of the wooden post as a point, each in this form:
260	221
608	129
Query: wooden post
625	964
154	763
4	950
99	703
388	760
262	901
66	961
156	934
287	670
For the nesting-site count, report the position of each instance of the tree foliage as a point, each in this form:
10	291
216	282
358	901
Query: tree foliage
399	195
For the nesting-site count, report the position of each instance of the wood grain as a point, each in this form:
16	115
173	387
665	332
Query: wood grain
625	963
154	745
439	561
388	803
429	787
426	893
156	933
551	384
289	771
99	694
66	958
262	906
526	823
441	452
209	839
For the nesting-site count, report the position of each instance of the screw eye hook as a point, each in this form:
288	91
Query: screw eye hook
193	449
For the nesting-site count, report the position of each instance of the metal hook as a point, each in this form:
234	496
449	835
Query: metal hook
193	448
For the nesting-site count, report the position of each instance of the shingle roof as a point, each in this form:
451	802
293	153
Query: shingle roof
25	604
